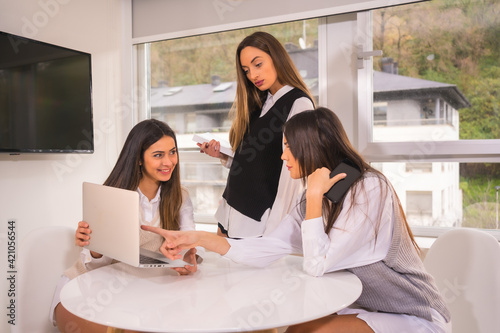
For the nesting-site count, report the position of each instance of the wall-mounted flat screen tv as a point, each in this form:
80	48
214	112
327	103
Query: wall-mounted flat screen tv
45	98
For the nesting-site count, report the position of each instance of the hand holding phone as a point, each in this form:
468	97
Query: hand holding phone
337	191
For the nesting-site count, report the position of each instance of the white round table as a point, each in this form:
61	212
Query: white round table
221	297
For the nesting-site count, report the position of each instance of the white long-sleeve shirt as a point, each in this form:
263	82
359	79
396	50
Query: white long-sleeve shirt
241	226
350	243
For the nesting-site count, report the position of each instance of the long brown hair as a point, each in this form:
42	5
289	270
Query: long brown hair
248	97
127	172
317	139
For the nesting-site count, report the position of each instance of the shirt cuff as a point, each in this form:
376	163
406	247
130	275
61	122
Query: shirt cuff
91	262
312	228
232	253
227	163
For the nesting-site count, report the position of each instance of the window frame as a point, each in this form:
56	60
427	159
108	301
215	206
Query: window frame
472	151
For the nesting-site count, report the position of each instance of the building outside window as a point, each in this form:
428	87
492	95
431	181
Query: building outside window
433	86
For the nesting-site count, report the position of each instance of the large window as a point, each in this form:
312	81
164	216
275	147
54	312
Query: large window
437	87
426	112
439	75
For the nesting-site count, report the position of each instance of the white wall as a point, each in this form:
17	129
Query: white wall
41	189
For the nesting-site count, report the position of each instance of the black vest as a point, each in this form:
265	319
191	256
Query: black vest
253	179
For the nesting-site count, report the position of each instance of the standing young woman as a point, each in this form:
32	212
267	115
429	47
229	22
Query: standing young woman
147	164
365	233
269	91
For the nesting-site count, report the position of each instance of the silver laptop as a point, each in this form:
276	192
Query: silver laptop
113	215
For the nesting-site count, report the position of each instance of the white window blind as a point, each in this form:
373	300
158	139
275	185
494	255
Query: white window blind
160	19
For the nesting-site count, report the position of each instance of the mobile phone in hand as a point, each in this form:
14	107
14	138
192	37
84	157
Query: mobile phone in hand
337	191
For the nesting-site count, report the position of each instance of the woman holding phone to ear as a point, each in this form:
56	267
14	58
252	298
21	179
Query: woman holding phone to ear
269	91
365	233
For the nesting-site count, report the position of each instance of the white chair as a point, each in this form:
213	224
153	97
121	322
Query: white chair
43	255
466	266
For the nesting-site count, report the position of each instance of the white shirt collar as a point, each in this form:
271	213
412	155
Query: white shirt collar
143	198
271	99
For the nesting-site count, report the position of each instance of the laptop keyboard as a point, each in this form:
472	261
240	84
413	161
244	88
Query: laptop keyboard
148	260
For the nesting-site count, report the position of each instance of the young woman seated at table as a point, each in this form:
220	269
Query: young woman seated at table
365	233
147	164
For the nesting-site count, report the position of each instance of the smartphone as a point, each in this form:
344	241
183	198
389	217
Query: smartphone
337	191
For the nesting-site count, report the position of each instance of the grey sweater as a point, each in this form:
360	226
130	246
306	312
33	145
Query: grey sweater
399	283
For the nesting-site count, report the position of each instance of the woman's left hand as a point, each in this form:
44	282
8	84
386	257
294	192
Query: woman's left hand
319	182
190	257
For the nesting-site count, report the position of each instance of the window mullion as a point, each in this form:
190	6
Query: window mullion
459	151
365	82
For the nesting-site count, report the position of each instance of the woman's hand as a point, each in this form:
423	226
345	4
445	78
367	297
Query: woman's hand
176	241
82	237
189	257
318	183
212	148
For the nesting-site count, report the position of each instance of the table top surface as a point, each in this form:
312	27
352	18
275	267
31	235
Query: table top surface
221	297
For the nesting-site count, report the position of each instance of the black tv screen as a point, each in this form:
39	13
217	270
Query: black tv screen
45	98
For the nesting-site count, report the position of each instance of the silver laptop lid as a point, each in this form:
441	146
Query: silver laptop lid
113	215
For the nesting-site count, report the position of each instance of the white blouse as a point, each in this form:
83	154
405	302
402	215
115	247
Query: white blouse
351	243
240	225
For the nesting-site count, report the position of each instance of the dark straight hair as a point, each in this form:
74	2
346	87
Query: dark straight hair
127	171
317	139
